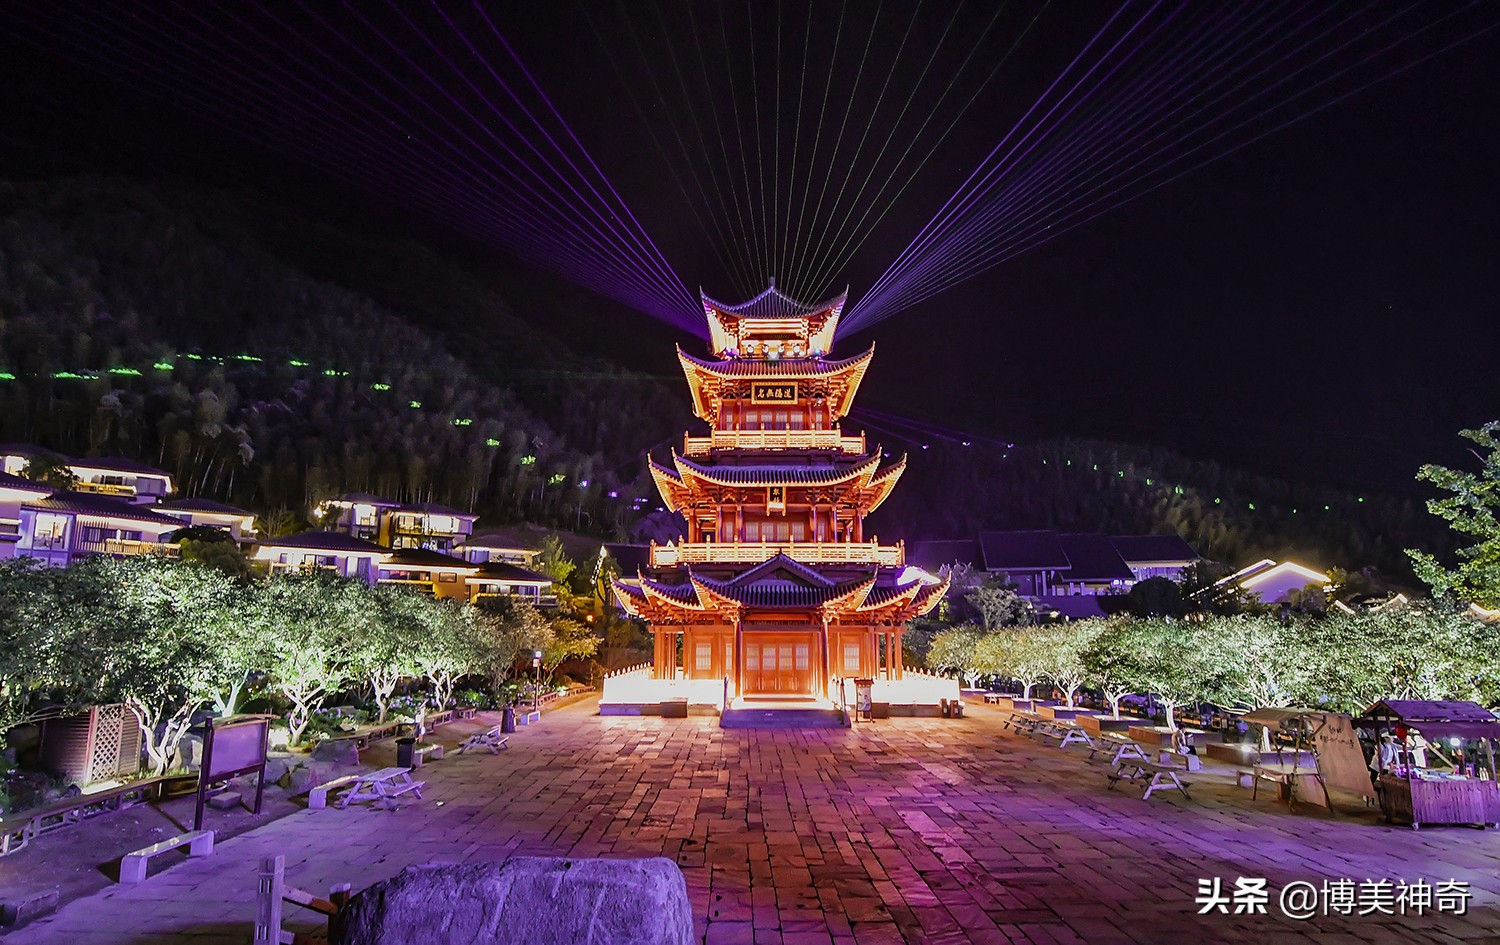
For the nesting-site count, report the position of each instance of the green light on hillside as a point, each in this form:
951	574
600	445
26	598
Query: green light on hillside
1325	508
246	357
555	478
416	405
162	366
380	387
295	363
462	422
1148	481
528	460
332	373
1252	506
1120	473
1096	467
1218	501
1360	499
125	371
491	442
196	357
7	376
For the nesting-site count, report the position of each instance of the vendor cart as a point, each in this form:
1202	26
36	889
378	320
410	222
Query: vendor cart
1450	779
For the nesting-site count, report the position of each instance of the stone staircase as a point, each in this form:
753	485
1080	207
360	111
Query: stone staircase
788	715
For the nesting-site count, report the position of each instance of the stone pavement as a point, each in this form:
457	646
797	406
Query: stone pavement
899	831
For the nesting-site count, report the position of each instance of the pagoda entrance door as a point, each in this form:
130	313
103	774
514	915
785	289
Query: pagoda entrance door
779	664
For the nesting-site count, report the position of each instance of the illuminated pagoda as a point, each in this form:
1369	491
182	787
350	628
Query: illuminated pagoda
776	595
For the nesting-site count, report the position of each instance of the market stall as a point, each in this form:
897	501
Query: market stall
1313	750
1434	761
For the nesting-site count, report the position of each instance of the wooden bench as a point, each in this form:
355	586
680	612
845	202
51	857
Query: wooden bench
527	716
992	697
1188	760
431	752
317	798
491	739
1156	777
133	865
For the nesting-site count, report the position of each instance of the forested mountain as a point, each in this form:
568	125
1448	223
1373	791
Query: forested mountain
270	360
1228	514
166	324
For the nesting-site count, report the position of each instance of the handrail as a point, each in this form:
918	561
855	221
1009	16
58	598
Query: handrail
773	440
628	670
811	552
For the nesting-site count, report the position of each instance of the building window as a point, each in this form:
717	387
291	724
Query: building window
851	659
447	578
705	657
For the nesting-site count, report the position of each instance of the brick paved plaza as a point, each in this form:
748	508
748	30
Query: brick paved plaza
908	830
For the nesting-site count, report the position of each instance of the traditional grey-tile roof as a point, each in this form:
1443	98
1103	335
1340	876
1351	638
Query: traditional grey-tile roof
201	505
87	503
1092	558
326	541
773	303
504	571
118	464
1035	550
1150	549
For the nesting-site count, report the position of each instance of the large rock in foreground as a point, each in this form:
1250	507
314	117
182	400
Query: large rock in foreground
525	901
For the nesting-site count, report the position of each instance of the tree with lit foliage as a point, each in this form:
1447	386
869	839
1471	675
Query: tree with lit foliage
456	642
1059	653
1106	667
307	615
999	606
1017	653
46	616
386	651
514	629
1167	658
569	639
169	650
955	650
50	470
1472	509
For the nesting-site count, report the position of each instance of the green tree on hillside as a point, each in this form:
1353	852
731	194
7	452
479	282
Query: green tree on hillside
1472	510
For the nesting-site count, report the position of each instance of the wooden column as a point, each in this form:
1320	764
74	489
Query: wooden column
823	661
900	660
739	656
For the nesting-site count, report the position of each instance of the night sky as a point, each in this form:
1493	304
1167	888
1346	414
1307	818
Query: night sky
1318	304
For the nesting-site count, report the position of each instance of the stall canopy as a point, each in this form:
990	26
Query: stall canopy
1277	717
1435	719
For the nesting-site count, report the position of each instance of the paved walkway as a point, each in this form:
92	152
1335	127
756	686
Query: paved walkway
900	831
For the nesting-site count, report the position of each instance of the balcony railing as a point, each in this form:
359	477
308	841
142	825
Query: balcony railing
126	547
105	488
808	552
773	440
543	601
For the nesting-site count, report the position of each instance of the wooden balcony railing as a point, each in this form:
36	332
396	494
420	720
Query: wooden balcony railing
773	440
105	488
126	547
808	552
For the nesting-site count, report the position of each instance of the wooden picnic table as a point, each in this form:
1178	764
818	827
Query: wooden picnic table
382	786
490	739
1119	747
1066	734
1156	776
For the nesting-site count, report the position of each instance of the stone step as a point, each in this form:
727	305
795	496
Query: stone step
774	717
